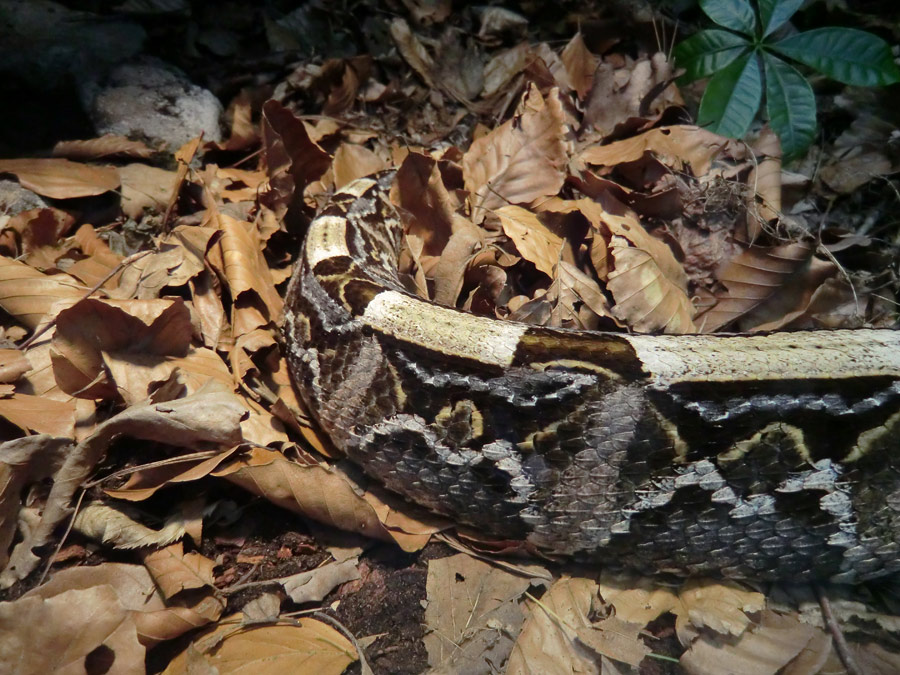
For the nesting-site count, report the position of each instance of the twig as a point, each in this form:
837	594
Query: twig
50	324
840	642
364	665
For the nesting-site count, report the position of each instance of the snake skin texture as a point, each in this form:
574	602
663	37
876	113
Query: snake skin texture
748	456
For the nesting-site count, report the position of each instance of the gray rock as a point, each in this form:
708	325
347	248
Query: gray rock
155	102
14	199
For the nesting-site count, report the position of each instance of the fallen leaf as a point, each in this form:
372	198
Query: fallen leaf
314	585
175	571
534	240
60	178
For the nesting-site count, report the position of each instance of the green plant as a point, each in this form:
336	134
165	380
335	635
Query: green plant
749	56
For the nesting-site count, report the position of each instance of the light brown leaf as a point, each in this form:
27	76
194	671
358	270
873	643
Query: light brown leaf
473	613
314	585
101	261
56	635
174	571
314	491
111	525
720	606
28	295
354	161
60	178
309	647
412	50
146	188
615	639
520	160
764	181
547	643
13	365
580	65
674	146
534	240
39	414
109	145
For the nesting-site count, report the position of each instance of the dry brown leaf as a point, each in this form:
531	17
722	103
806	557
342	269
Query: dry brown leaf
412	50
720	606
99	264
519	161
139	595
762	650
60	178
310	646
146	188
503	67
848	174
314	585
198	421
57	634
13	365
547	643
174	571
410	526
109	145
759	275
419	191
534	240
314	491
616	639
39	414
27	295
24	461
355	161
111	525
674	146
472	615
638	600
580	65
764	202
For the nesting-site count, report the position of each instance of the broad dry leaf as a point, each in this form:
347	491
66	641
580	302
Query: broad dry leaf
674	146
547	643
763	650
27	295
146	188
56	635
413	50
60	178
449	273
616	639
534	240
648	285
520	160
200	421
138	594
503	67
111	525
473	613
720	606
355	161
38	414
580	65
99	263
845	175
13	365
174	571
314	491
753	278
245	267
637	600
410	526
24	461
310	646
314	585
108	145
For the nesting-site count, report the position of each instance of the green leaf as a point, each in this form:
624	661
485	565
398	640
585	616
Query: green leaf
732	97
844	54
790	105
708	52
774	13
734	14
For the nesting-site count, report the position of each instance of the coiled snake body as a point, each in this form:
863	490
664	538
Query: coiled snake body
765	456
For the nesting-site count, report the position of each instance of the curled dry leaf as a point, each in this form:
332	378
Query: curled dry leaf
520	160
674	146
60	178
473	613
534	240
314	491
111	525
753	278
99	263
198	421
27	295
308	646
174	571
764	203
314	585
57	634
109	145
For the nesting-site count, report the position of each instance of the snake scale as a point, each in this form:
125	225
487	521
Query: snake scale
748	456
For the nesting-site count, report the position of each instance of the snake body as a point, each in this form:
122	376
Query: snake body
749	456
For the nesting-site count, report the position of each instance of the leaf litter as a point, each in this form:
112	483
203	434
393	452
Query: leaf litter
559	186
